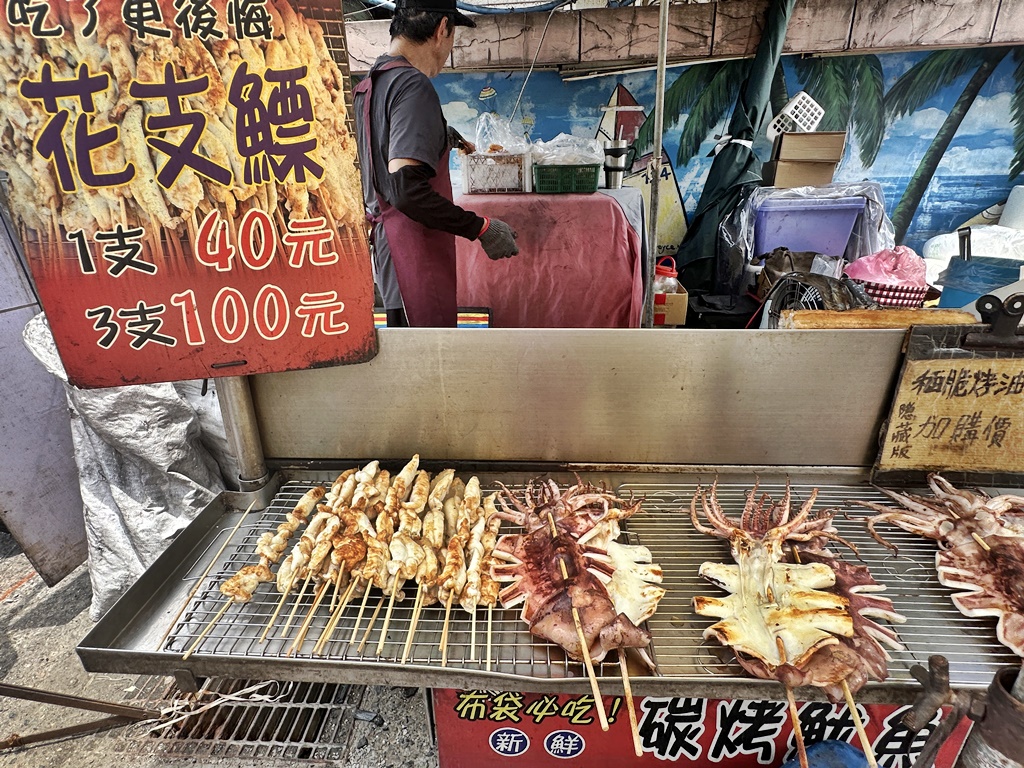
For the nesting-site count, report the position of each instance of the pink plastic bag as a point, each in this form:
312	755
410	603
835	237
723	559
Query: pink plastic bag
899	266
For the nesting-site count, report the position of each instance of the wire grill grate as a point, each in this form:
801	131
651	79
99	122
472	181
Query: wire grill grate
309	722
933	626
685	660
513	650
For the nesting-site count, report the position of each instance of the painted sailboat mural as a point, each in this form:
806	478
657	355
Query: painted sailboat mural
622	118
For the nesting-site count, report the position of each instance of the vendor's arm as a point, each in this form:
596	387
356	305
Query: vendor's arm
413	196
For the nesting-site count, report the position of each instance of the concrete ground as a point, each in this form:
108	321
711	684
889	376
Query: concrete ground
39	629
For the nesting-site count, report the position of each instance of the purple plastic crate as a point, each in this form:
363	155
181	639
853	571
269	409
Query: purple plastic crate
821	225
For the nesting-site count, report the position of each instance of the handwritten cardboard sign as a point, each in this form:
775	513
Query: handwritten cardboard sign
956	410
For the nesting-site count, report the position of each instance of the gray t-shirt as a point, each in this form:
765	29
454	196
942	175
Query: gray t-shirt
408	123
406	113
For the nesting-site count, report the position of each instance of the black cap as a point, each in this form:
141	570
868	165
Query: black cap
436	6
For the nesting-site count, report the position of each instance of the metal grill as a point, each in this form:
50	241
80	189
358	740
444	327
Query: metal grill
687	664
933	626
300	721
513	650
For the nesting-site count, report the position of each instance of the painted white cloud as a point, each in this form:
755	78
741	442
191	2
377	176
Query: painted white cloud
459	112
924	123
976	162
988	117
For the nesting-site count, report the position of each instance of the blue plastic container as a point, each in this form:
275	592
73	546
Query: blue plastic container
822	225
831	754
964	282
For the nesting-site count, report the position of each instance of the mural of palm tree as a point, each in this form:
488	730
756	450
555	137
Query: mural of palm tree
706	93
924	80
851	91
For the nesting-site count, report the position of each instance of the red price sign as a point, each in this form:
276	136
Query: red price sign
183	180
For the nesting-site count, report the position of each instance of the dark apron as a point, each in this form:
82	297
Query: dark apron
424	258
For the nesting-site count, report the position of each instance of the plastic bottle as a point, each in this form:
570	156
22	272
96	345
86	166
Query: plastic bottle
665	276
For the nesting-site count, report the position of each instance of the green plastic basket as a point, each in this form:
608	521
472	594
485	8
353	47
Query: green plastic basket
565	178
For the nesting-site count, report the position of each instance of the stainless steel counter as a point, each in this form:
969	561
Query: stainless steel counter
130	638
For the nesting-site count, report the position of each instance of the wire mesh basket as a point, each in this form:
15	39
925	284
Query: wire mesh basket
895	295
801	114
495	172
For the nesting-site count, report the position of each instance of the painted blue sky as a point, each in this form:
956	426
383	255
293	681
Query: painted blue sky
971	176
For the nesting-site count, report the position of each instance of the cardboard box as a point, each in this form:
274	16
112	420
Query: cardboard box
798	173
670	308
815	147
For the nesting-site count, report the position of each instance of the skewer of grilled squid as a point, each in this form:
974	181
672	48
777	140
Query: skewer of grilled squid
584	648
475	554
453	577
406	552
307	562
373	511
349	553
270	546
356	522
388	522
489	588
314	563
287	572
335	550
378	553
432	542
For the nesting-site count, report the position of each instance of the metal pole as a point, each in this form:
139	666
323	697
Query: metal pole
997	739
242	431
655	166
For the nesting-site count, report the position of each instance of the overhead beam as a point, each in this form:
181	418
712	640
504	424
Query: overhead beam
620	37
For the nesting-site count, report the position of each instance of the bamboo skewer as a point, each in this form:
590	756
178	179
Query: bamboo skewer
199	582
295	607
587	661
634	727
332	623
472	636
387	618
865	742
595	689
490	624
277	610
443	646
359	616
794	716
861	733
207	629
300	636
337	586
369	627
416	606
798	734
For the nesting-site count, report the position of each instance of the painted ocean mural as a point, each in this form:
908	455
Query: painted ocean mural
941	131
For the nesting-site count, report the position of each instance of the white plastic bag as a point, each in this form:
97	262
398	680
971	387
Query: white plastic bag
568	150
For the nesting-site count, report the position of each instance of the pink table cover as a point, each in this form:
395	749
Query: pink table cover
579	263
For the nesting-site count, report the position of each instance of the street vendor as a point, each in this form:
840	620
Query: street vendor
404	143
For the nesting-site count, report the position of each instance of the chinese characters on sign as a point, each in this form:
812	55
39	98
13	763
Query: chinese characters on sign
967	414
551	728
189	208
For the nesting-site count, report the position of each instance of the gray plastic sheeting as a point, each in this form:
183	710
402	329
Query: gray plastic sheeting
149	456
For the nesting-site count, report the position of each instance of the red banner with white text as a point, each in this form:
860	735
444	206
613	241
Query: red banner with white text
183	179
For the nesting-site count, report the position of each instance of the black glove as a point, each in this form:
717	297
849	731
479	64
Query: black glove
498	240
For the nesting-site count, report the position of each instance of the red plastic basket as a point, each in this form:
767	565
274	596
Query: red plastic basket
895	295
